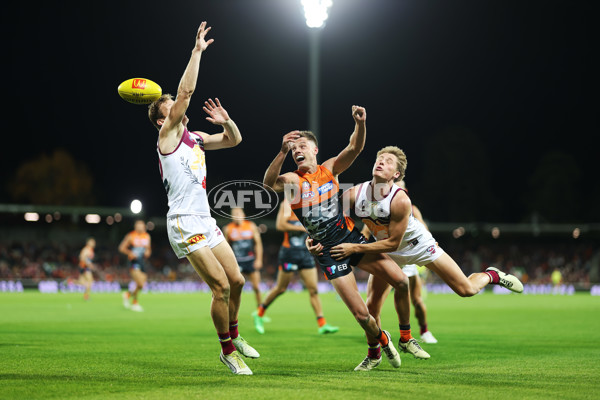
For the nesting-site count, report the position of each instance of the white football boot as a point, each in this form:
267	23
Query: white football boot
235	363
137	308
368	364
414	348
427	337
391	353
244	348
126	302
508	281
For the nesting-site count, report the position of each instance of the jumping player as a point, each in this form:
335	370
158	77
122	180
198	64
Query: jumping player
192	232
313	192
387	211
244	238
294	257
86	266
415	282
137	247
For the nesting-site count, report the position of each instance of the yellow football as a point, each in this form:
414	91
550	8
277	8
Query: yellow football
139	91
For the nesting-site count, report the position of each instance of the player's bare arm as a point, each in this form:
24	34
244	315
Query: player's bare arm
399	217
273	180
344	160
217	115
282	224
125	247
258	248
172	127
84	256
148	251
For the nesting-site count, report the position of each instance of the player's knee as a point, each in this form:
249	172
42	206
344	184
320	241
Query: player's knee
465	290
312	291
237	283
362	315
221	290
401	284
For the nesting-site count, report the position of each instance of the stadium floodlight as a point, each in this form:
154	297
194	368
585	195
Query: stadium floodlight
92	218
32	216
136	206
316	12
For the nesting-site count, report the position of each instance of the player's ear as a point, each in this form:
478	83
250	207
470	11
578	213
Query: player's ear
316	150
160	122
396	175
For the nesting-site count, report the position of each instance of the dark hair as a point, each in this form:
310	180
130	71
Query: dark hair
154	112
310	136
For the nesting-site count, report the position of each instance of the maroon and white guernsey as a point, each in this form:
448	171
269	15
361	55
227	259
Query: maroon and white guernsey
183	172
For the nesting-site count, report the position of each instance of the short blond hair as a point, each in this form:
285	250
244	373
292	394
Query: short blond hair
401	162
154	111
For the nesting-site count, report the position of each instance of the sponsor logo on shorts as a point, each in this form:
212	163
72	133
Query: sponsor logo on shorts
325	187
195	239
332	270
431	249
138	84
415	242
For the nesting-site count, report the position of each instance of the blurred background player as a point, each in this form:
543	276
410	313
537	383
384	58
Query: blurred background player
415	282
293	256
136	246
86	266
244	238
192	231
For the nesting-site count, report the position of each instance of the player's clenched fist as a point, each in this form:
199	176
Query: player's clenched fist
359	113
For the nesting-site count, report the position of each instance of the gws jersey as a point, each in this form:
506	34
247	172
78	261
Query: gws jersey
183	173
242	240
294	240
317	204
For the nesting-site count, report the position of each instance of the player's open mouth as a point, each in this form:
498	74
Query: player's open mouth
299	158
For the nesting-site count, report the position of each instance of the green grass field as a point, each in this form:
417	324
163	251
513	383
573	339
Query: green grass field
506	347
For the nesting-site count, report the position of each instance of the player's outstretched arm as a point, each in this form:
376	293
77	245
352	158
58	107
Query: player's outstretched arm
272	179
187	85
230	137
342	161
400	213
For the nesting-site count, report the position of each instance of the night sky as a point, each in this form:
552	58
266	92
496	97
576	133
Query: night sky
494	102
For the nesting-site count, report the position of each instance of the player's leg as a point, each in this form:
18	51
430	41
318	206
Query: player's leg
420	308
255	281
224	254
447	269
88	280
347	289
283	280
310	279
139	278
383	268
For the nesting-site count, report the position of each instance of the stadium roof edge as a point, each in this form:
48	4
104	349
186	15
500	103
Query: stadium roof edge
65	210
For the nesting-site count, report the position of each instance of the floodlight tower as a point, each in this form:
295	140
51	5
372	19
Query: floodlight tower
316	13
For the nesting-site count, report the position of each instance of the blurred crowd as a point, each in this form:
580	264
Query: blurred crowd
533	263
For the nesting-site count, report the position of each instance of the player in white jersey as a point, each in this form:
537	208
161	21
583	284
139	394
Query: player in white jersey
387	211
192	232
415	282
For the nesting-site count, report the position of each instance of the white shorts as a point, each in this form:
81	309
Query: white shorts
188	233
410	270
424	251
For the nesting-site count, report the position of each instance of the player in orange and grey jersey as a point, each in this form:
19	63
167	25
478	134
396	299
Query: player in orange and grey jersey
294	257
86	265
193	233
245	240
313	192
137	247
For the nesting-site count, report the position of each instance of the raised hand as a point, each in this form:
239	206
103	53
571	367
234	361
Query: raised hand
288	140
216	113
359	113
201	42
